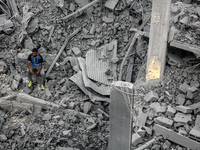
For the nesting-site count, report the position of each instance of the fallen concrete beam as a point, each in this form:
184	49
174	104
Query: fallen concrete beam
61	50
25	98
158	39
12	105
78	12
120	116
186	47
176	138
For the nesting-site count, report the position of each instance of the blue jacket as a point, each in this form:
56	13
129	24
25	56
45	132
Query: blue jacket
35	61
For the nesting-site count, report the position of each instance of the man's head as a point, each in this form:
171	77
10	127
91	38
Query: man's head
35	52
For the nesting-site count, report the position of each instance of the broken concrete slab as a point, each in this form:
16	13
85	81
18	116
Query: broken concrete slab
136	139
101	89
184	109
176	138
151	96
163	121
78	80
97	67
182	118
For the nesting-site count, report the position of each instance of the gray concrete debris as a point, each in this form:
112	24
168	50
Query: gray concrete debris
175	137
184	87
163	121
101	89
170	111
182	118
180	99
111	4
158	108
175	60
14	85
151	96
3	137
184	109
136	139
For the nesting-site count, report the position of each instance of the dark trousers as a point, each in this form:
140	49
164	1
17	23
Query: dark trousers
40	78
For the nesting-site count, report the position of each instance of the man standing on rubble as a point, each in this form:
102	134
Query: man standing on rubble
35	61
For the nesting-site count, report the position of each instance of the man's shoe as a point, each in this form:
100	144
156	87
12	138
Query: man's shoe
42	86
30	84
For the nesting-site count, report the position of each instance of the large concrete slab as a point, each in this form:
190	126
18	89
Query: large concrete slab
158	39
96	66
120	116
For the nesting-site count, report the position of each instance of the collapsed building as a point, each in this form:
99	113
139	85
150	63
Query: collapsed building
119	74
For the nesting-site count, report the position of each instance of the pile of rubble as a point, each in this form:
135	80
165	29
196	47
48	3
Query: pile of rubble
185	22
83	50
169	108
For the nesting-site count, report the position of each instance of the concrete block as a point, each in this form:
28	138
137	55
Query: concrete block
14	85
170	111
141	132
3	137
184	20
184	109
47	92
136	139
163	121
76	51
158	108
18	78
85	31
151	96
195	84
3	91
182	132
182	118
166	145
93	28
142	117
180	99
148	129
195	132
46	117
65	133
192	92
184	87
27	90
107	20
111	4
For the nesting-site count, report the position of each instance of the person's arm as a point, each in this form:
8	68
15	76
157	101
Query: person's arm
29	67
40	68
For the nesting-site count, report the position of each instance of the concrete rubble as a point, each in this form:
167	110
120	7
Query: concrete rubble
84	44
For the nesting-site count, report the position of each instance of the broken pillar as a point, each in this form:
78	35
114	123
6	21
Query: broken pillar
120	115
158	39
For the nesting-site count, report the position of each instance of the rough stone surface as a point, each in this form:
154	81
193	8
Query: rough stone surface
151	96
